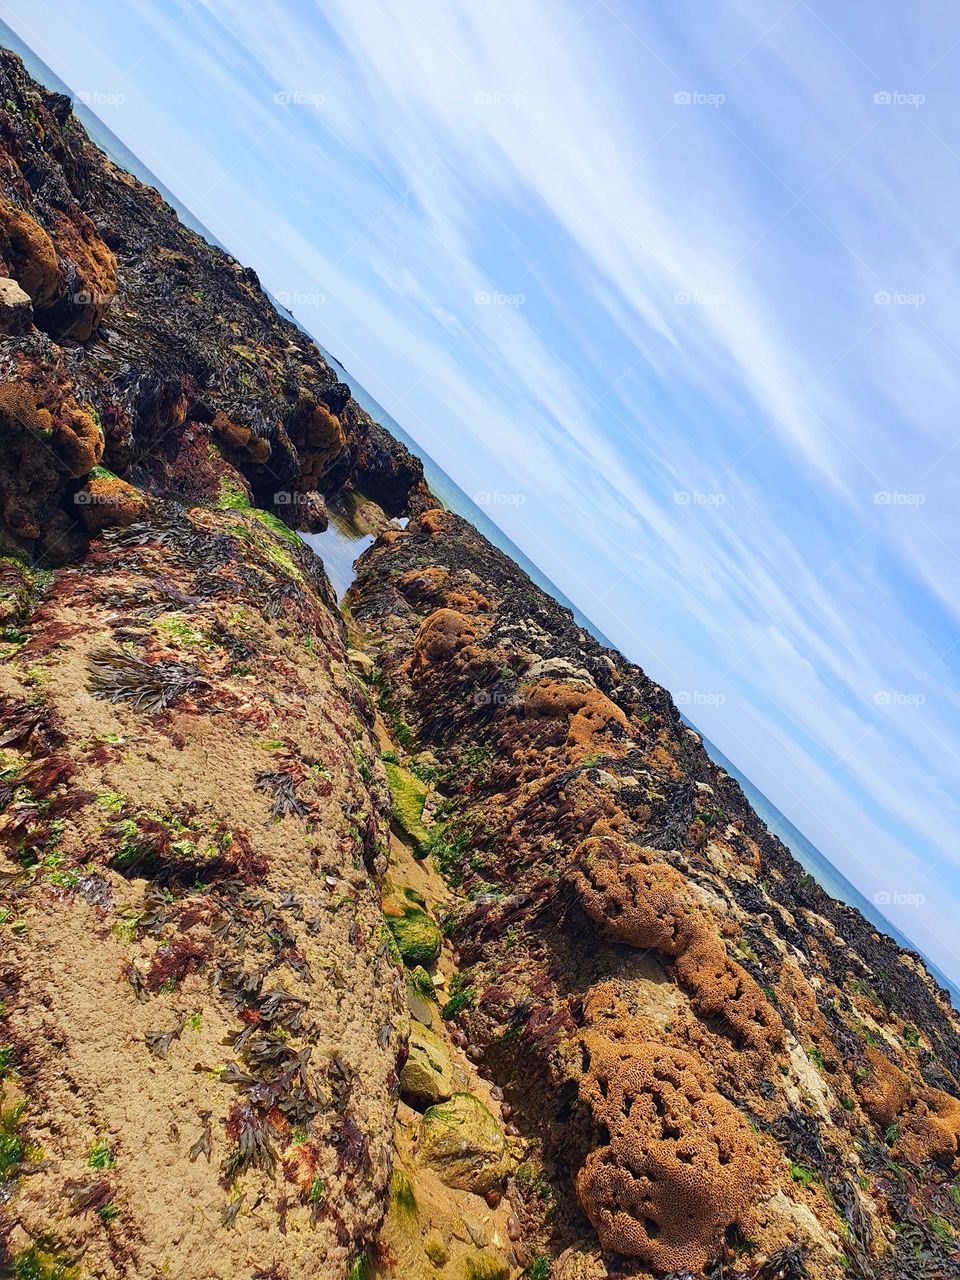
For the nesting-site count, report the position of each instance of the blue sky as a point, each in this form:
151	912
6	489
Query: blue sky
679	285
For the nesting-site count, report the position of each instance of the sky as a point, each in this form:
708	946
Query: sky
674	290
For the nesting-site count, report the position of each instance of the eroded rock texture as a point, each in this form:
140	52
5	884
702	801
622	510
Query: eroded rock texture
728	1072
704	1066
151	352
203	1016
197	979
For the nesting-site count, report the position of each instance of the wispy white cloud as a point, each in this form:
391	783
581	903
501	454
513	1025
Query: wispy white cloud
750	302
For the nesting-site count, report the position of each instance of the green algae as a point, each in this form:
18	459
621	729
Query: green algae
402	1194
409	795
417	937
42	1261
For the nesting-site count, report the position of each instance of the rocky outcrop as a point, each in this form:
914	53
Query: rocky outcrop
463	1142
717	1068
165	342
447	953
203	1012
202	1020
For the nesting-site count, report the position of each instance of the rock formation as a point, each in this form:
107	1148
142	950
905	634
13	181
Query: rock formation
418	939
722	1070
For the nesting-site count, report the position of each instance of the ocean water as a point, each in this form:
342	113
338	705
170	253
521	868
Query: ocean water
341	544
453	497
817	865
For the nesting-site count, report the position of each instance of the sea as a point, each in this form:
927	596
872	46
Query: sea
340	546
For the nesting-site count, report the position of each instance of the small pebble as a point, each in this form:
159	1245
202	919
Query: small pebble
496	1093
493	1197
506	1110
512	1131
513	1228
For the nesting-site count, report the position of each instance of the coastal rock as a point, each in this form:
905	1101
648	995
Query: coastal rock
409	796
427	1075
690	1029
361	662
16	309
463	1143
190	341
558	668
167	910
418	938
106	502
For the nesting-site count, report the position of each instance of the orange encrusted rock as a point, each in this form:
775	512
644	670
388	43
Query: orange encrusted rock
29	253
90	277
441	635
107	502
681	1164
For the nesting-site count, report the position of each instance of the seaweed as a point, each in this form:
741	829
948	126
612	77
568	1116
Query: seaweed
118	676
87	1197
43	1261
785	1264
101	1156
135	978
159	1042
173	961
179	850
204	1144
30	725
253	1138
228	1215
282	785
13	1147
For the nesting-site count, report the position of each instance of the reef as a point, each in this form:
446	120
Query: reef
417	937
721	1070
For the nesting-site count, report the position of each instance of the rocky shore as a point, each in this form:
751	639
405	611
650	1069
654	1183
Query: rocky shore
417	938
